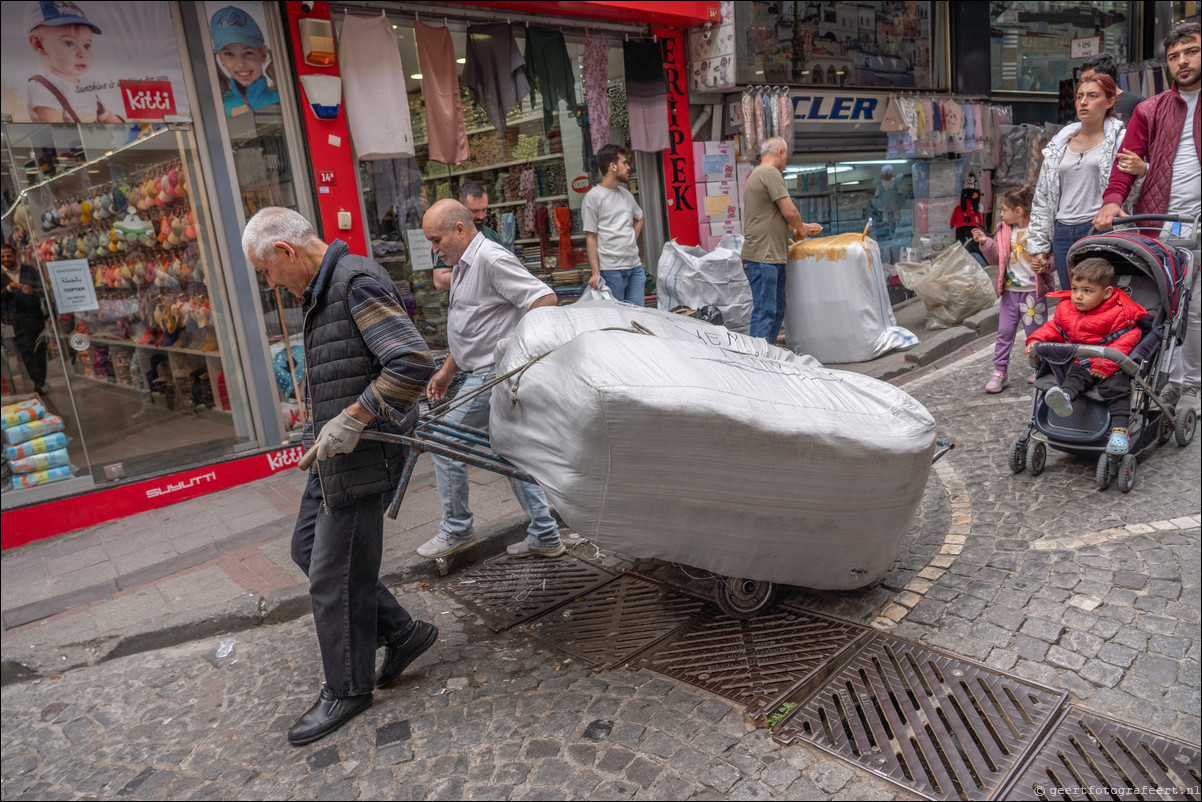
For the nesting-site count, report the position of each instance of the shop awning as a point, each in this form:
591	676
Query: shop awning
683	14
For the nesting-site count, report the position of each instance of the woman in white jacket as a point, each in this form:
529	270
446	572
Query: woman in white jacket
1076	169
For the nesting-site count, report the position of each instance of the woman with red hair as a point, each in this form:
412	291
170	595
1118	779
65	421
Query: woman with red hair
1076	169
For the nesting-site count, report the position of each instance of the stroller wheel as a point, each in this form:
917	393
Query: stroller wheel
1126	475
1018	455
1102	477
1165	433
1187	421
745	598
1037	459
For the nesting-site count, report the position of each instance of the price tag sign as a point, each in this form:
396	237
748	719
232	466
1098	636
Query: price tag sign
1085	47
74	290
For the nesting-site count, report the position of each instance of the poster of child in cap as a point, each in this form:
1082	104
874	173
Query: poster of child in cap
244	68
63	61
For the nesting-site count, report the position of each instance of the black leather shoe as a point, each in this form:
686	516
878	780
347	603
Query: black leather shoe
399	657
327	715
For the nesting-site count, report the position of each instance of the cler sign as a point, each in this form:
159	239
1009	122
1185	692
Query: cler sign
838	107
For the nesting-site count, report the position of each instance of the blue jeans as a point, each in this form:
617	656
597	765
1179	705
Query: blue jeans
1063	236
457	517
768	299
339	549
628	285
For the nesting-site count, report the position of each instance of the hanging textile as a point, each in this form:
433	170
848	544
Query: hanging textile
398	187
596	82
495	71
786	119
550	72
751	143
446	132
528	189
646	95
372	80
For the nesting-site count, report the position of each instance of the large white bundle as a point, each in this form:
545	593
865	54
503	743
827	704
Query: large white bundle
837	301
758	464
689	276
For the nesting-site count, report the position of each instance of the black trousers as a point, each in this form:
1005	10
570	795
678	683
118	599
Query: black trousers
33	354
1115	391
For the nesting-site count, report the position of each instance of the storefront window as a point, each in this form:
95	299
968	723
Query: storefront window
1185	11
838	44
139	351
556	162
1031	44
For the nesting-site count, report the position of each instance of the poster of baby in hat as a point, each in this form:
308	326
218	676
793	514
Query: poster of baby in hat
244	66
63	61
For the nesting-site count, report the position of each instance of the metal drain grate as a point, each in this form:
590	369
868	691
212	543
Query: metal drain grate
615	622
930	722
753	660
1087	753
509	590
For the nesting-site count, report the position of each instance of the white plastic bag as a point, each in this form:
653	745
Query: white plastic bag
659	436
602	293
838	307
953	287
688	276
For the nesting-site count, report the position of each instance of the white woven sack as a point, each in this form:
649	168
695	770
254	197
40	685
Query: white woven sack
689	276
837	307
682	449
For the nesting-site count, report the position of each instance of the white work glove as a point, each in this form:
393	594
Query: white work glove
339	436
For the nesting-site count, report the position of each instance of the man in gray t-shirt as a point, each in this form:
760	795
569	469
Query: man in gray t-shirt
613	222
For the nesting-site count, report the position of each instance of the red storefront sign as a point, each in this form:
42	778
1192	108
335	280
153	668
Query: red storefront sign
38	521
679	179
147	100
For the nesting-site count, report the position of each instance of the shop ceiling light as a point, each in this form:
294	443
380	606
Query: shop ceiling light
417	76
461	61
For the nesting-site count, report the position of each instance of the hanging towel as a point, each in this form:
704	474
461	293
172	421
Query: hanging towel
596	81
373	89
751	142
398	186
646	95
550	72
440	88
786	120
495	71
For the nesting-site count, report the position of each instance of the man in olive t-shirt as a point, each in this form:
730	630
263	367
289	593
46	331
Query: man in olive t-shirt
769	215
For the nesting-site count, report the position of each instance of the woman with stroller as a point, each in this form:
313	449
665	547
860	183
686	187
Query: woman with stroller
1076	169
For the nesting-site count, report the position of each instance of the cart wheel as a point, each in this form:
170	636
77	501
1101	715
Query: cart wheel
1165	433
1187	421
1037	458
1018	455
745	598
1126	475
1102	477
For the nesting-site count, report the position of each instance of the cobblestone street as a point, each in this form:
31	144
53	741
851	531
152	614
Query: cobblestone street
1094	593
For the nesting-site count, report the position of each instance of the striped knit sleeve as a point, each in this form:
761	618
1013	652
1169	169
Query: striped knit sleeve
392	337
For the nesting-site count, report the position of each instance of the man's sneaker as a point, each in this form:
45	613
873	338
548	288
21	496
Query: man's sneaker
1059	402
1118	442
996	382
1171	393
526	549
1190	396
397	658
444	544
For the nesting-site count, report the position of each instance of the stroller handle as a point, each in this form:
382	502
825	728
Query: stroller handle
1062	353
1154	218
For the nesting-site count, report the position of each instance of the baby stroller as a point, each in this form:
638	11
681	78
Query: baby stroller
1157	275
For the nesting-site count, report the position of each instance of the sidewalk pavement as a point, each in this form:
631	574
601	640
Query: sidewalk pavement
221	563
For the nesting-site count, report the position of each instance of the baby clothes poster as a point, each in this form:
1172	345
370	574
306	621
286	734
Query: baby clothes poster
89	62
243	56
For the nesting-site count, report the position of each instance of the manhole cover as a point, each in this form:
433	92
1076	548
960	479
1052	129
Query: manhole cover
509	590
935	724
1087	756
753	660
613	623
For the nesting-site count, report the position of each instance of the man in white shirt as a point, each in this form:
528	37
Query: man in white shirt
613	223
490	293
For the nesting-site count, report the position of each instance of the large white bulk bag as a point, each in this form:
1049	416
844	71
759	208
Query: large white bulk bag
702	447
837	301
689	276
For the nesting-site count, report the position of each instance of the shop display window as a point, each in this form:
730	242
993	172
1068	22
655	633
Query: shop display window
143	369
838	43
845	196
1030	43
535	178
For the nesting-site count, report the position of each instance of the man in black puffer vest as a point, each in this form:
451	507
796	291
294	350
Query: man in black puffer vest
366	367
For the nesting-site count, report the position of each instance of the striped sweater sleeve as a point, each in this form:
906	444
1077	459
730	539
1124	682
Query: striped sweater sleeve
392	337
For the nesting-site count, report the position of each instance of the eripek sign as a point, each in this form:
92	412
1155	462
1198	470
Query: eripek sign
679	180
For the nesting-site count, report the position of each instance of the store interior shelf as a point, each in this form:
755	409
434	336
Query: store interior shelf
547	199
526	118
151	347
486	168
533	240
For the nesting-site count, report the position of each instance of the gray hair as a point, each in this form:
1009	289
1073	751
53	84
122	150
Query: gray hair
771	145
275	224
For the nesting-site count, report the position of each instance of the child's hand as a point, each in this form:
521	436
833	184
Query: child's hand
1097	374
1040	263
979	236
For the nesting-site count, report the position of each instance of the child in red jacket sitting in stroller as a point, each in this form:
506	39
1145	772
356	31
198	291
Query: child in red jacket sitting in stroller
1097	315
